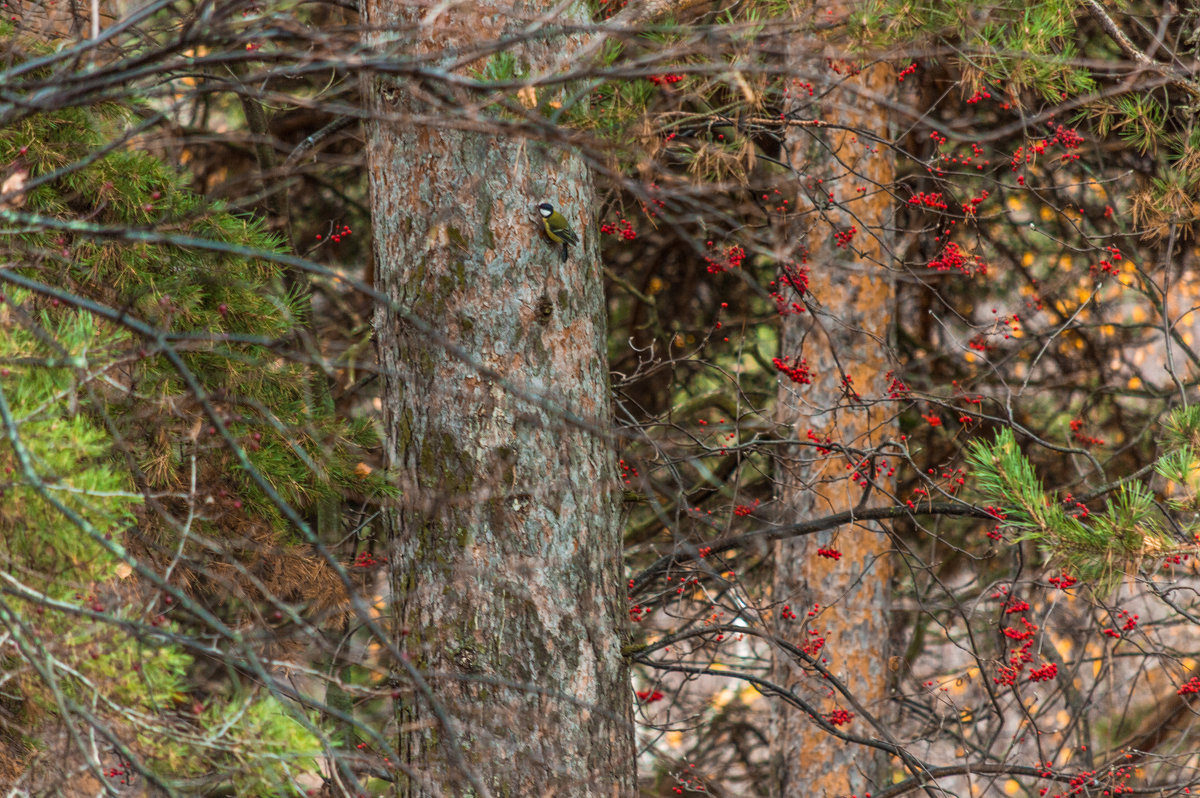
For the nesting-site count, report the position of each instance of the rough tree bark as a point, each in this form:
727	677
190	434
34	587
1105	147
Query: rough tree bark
505	544
843	334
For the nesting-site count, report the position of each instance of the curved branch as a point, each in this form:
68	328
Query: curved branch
1130	49
689	551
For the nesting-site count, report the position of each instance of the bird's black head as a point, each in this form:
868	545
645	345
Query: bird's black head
546	209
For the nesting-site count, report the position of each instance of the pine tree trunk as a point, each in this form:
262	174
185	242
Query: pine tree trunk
505	545
843	334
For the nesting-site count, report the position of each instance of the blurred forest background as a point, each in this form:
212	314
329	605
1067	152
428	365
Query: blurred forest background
854	451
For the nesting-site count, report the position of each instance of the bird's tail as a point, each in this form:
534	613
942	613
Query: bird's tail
564	255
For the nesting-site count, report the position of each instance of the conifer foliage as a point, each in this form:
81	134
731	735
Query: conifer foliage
159	444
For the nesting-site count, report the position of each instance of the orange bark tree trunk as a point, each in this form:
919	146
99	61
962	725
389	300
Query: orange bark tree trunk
843	338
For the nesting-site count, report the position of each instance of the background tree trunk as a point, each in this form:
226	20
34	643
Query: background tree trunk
505	544
844	334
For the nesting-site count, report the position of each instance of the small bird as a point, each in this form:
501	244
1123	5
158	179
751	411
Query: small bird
556	228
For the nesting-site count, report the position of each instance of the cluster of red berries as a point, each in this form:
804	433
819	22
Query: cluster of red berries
733	258
1189	687
1020	635
814	644
931	200
1131	622
970	206
745	509
839	717
848	389
1063	581
793	277
842	239
1077	427
953	258
367	560
623	229
1108	265
896	389
821	450
843	67
336	237
1008	674
121	772
917	492
1043	674
796	371
1075	509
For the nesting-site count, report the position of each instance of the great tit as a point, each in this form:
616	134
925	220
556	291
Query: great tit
556	228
